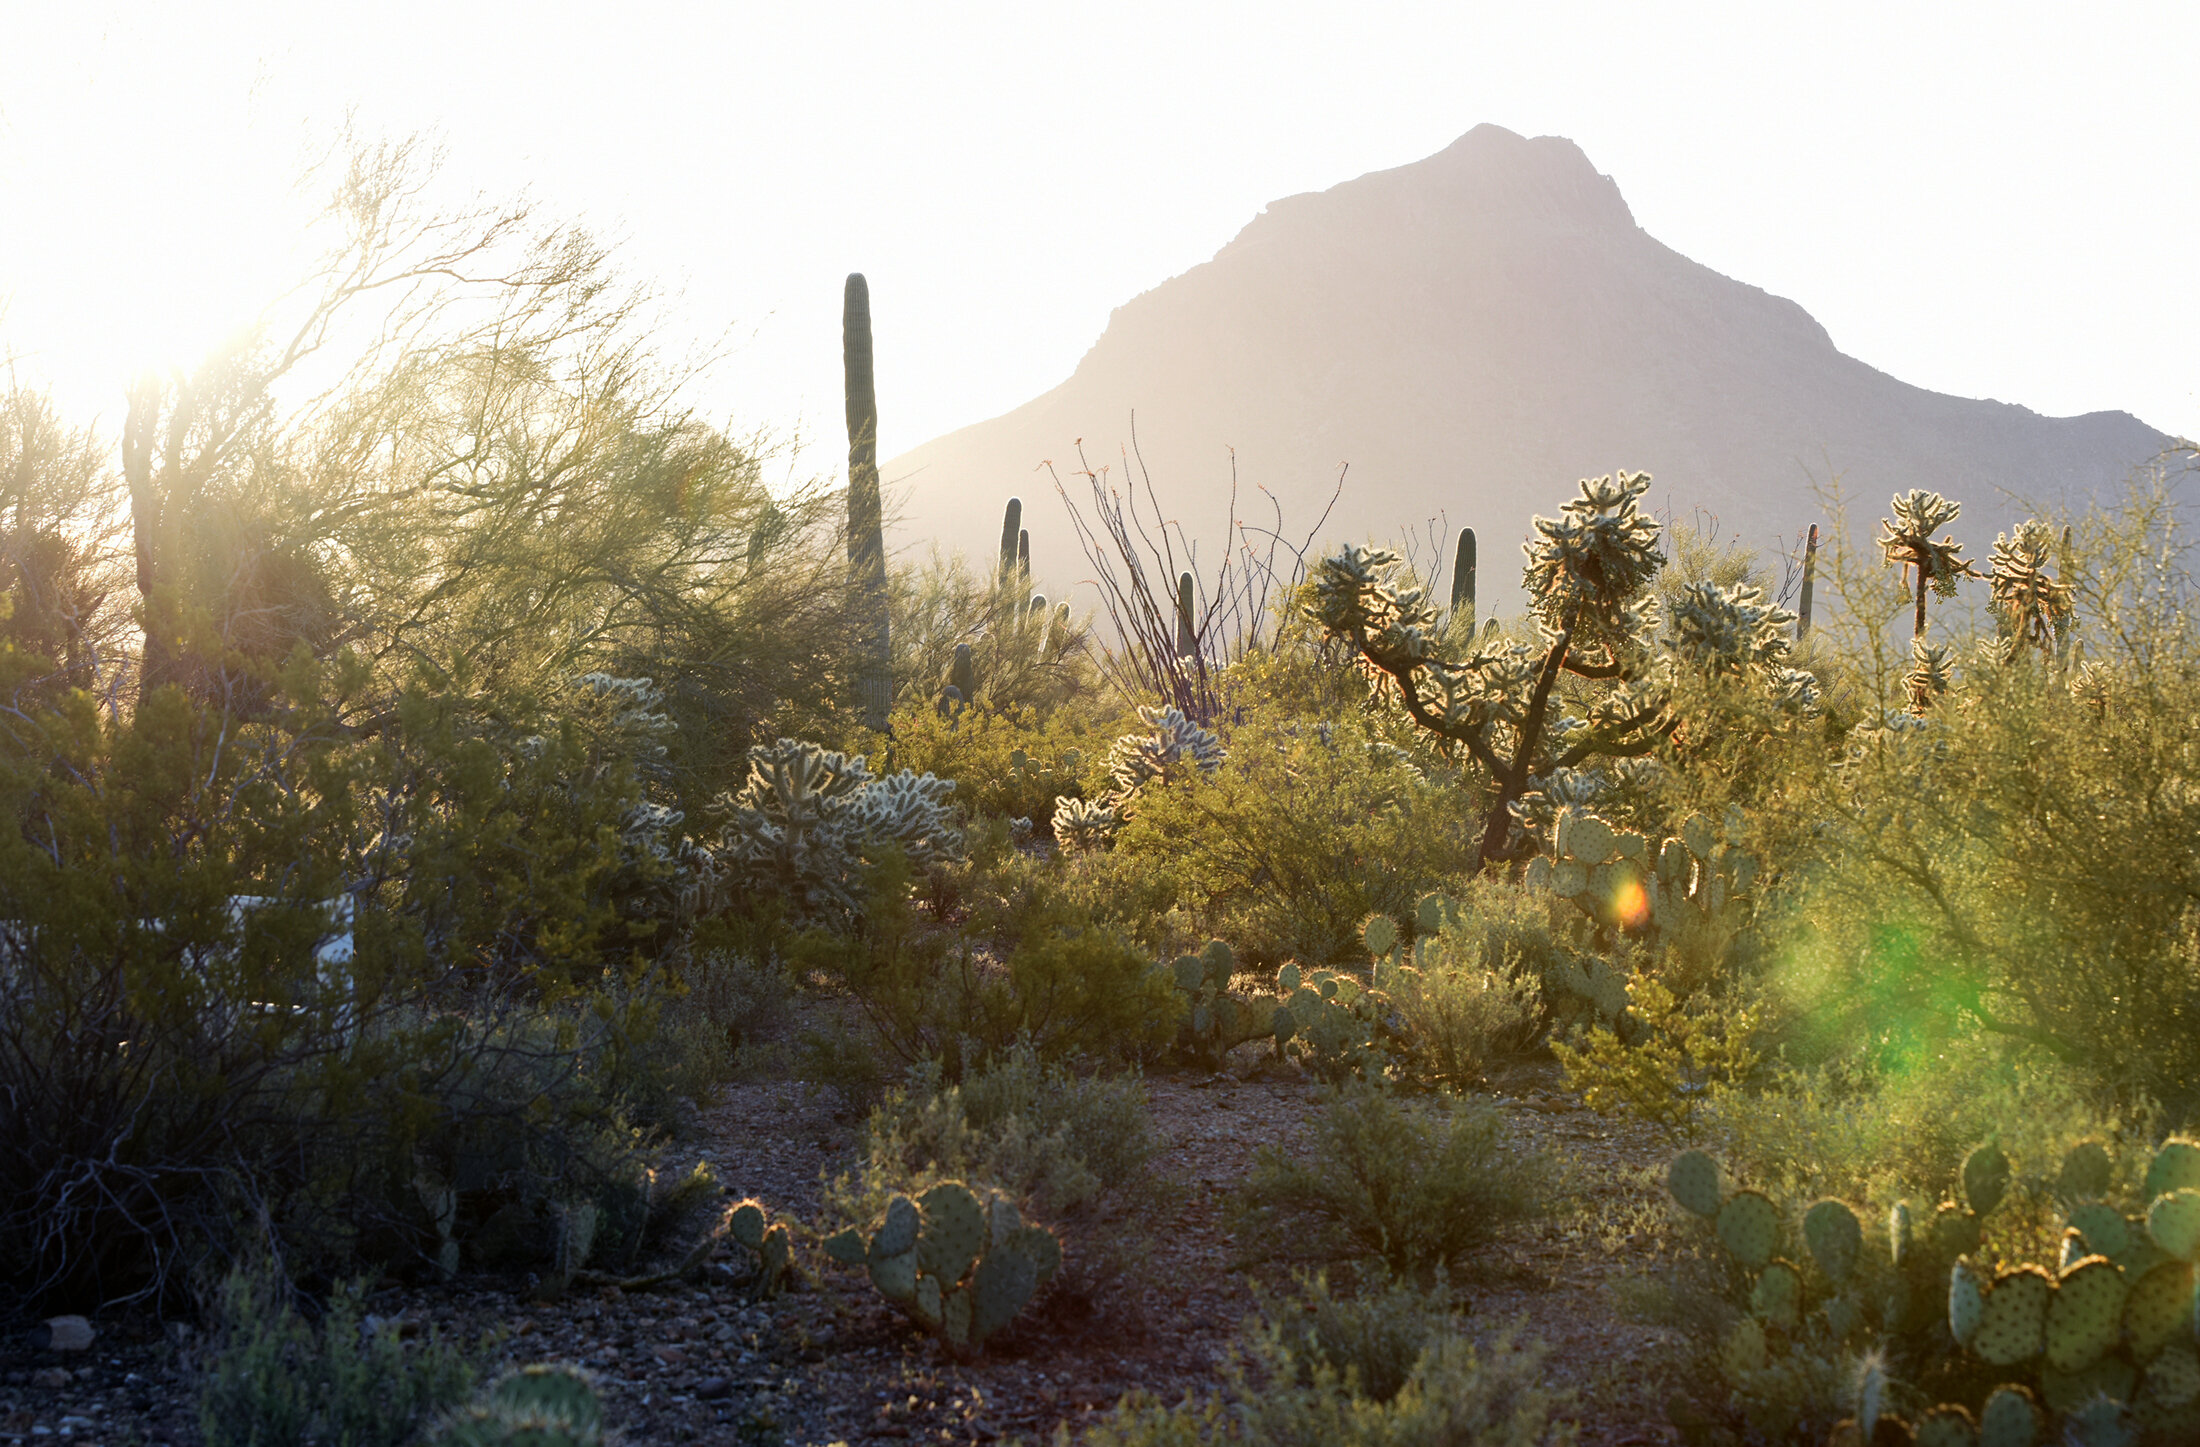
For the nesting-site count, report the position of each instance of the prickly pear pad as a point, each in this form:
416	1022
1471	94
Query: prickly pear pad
898	1232
1749	1227
2085	1172
1966	1301
1835	1238
2174	1223
2010	1418
953	1232
2159	1308
2175	1166
1985	1178
2085	1316
2104	1228
1693	1178
2012	1326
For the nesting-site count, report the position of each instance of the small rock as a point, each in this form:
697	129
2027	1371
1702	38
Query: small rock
68	1333
51	1377
671	1356
710	1389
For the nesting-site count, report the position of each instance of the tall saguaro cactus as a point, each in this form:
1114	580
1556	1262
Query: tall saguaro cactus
1810	576
1187	637
1012	534
1462	579
866	516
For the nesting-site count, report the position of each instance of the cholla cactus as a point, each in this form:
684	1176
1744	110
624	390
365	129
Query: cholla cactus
2090	684
1907	540
1730	631
1082	826
1932	669
808	818
1588	575
1589	566
1141	759
2031	606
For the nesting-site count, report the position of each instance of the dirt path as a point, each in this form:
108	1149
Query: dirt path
836	1364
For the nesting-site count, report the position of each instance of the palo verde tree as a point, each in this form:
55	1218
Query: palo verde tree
1589	579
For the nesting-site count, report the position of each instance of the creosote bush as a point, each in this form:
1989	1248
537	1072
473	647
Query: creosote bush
274	1379
1389	1369
1416	1187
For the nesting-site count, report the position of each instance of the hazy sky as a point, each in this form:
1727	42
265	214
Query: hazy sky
1993	200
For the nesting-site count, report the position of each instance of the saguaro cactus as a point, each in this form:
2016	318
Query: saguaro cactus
1012	534
1462	579
1187	639
1810	574
866	517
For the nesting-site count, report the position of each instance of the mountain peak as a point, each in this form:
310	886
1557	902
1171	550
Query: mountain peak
1471	333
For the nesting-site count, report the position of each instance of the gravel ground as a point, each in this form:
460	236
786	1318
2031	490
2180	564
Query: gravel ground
832	1363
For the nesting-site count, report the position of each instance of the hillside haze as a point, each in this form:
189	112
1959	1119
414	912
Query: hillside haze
1471	333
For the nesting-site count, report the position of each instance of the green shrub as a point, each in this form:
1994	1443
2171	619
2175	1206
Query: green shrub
1414	1187
1066	1144
1032	967
2013	863
1302	1378
1370	1339
273	1380
1460	1012
1010	763
1306	828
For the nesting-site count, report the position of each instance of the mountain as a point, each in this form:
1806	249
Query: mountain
1471	333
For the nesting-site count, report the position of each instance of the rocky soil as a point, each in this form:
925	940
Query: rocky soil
832	1363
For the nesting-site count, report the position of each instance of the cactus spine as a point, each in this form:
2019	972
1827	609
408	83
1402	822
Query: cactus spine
866	517
1462	579
1810	576
1187	641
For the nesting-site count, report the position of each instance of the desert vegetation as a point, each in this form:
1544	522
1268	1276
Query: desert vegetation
444	772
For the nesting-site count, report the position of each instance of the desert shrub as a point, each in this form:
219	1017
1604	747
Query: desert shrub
1021	657
1370	1339
1675	1055
1066	1143
1011	762
1032	967
272	1379
1862	1133
1301	1377
1306	828
1458	1019
1412	1186
745	998
187	1053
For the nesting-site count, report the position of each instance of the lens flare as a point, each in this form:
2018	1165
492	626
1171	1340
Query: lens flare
1631	903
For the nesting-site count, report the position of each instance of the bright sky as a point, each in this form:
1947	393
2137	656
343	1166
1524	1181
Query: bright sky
1992	200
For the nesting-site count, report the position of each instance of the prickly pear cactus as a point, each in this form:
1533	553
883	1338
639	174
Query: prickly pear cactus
962	1266
1217	1019
2104	1347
